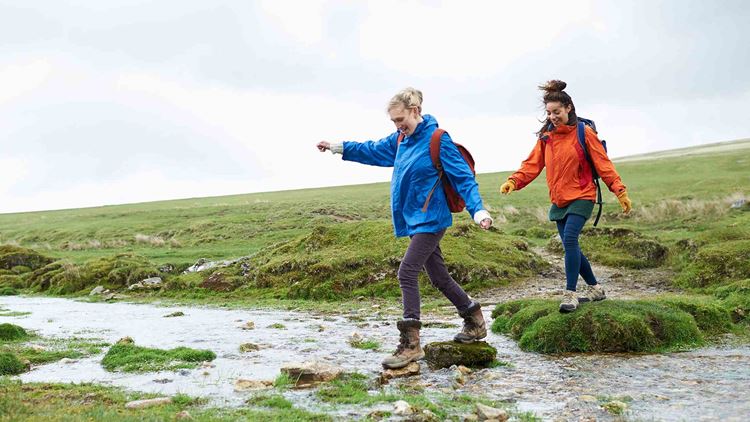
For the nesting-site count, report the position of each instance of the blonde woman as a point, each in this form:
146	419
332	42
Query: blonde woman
407	150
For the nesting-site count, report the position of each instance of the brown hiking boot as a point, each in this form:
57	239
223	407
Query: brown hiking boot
409	349
474	326
569	302
593	293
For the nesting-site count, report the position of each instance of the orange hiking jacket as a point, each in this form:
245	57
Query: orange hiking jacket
568	171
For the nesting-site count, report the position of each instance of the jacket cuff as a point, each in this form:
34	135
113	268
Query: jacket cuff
337	148
481	215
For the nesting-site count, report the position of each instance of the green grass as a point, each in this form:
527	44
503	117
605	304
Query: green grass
337	243
365	344
132	358
663	324
12	332
86	402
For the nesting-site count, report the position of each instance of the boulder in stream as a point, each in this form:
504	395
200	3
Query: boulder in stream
447	353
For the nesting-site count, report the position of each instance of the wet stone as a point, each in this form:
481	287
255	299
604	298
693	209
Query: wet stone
96	291
126	340
163	381
175	314
413	368
485	412
448	353
402	408
311	373
250	385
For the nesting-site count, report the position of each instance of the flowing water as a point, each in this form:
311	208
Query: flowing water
706	384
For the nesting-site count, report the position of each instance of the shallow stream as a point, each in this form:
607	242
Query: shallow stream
707	384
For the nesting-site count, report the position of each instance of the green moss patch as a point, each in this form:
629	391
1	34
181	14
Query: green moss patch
14	256
8	291
132	358
618	247
447	353
11	332
362	258
717	263
609	326
735	298
116	271
10	364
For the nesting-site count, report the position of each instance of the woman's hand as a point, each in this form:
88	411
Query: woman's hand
486	223
625	202
323	146
508	187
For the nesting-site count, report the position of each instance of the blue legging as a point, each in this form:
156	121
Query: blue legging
575	263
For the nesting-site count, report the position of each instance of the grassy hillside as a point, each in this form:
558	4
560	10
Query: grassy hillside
682	202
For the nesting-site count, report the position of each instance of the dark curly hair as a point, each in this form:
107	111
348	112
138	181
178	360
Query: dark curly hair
554	92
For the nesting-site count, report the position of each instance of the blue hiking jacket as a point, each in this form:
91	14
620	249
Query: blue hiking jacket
414	175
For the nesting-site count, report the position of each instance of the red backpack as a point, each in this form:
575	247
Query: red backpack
455	202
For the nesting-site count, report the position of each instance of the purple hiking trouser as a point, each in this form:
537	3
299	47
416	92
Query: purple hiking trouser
424	252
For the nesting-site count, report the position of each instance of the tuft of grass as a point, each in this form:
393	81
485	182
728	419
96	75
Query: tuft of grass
277	326
12	332
132	358
10	364
284	382
365	344
276	401
8	291
352	388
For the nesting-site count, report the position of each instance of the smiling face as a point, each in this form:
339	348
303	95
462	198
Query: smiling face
405	119
557	113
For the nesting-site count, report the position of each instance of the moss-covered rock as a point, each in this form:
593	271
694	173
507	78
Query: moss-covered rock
128	357
617	247
735	298
15	256
717	263
446	353
10	364
11	332
10	280
608	326
113	272
712	318
362	258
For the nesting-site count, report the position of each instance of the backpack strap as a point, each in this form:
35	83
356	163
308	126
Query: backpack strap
582	142
435	156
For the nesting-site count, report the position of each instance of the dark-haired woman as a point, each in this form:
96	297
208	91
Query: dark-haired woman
571	187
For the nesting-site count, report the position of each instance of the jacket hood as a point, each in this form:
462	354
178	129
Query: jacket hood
427	121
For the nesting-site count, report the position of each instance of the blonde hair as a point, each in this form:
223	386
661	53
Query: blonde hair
407	98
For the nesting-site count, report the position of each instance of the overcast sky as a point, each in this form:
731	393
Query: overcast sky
117	101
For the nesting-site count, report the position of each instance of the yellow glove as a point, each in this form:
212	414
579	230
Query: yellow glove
625	202
508	187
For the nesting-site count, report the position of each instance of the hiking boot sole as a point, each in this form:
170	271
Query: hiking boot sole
403	364
586	300
567	309
467	340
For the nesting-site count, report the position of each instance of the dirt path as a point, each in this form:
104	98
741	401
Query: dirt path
618	283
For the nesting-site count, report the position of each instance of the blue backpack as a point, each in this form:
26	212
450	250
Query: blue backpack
582	123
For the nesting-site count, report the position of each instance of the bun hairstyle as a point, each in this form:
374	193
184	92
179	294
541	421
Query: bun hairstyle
407	98
554	92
